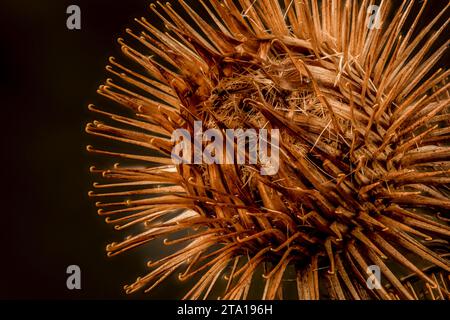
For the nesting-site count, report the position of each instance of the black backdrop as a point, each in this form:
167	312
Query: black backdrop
48	76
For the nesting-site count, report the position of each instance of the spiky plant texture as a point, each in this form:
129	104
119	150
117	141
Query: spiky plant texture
364	169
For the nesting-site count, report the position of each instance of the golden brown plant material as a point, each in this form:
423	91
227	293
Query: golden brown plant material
364	165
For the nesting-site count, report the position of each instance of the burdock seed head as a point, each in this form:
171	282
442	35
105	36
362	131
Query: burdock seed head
364	158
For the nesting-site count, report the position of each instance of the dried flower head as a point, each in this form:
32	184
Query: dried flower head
364	165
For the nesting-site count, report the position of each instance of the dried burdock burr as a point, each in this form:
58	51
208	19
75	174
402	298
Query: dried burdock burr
364	158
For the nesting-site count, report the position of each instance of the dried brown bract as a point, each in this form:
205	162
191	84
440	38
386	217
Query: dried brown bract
364	164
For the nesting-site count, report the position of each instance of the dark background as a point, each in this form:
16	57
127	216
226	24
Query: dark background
49	75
